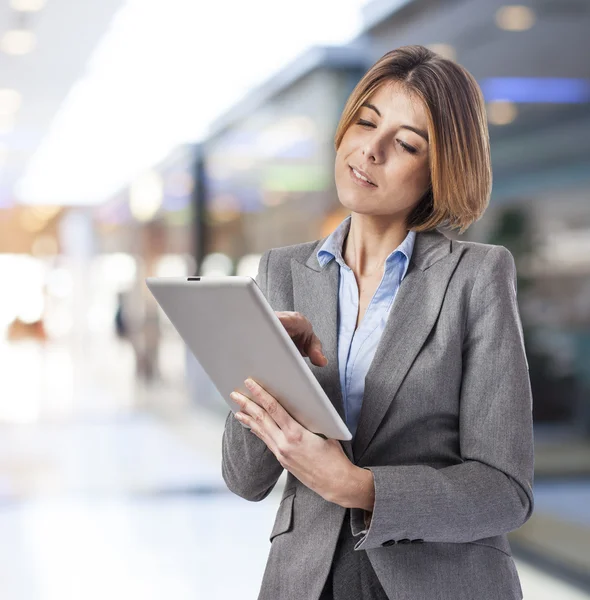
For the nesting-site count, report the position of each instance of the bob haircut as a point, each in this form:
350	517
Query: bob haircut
459	146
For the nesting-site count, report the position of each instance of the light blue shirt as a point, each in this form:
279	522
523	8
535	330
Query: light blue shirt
357	348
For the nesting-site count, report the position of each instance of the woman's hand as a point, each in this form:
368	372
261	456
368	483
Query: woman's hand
319	463
301	332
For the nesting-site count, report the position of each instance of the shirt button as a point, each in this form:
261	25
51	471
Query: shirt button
404	541
388	543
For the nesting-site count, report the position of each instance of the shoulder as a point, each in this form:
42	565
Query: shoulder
489	273
479	250
485	261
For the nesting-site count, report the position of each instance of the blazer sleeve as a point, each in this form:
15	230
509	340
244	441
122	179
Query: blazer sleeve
248	467
490	492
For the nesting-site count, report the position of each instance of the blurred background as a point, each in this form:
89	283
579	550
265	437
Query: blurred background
148	138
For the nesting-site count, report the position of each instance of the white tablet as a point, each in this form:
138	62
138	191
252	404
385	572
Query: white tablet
234	333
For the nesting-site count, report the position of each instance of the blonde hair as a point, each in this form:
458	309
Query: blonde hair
459	155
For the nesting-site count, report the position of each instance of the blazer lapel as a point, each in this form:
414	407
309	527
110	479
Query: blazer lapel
412	316
315	295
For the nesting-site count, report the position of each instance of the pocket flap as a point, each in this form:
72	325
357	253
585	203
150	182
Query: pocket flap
284	518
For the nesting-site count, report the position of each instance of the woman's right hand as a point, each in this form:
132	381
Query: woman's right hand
301	332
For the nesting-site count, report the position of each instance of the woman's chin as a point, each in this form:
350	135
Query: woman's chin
356	204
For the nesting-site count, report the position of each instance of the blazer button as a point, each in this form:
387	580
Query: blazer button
388	543
418	541
404	541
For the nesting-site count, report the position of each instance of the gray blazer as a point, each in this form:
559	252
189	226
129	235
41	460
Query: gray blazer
445	427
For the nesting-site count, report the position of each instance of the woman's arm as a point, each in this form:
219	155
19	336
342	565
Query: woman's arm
249	468
490	493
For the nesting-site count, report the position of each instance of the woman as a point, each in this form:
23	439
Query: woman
425	362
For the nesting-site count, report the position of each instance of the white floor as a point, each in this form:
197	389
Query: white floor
176	547
100	500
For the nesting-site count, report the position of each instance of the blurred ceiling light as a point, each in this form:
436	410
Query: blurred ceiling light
6	123
27	5
10	101
536	89
501	112
18	42
515	18
445	50
145	195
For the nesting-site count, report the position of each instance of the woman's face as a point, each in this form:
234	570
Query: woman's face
388	142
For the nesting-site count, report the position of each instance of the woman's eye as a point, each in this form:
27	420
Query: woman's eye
407	148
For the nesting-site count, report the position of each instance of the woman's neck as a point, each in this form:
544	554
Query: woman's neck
368	244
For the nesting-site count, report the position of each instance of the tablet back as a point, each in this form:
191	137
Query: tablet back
234	333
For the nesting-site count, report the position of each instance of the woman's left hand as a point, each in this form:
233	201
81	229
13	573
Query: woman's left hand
321	464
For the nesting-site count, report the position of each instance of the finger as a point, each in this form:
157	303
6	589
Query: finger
300	327
315	352
292	324
272	407
264	423
295	323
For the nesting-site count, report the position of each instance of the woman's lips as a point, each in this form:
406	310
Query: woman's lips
360	182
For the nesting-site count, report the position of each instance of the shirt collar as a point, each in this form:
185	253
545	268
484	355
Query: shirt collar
332	247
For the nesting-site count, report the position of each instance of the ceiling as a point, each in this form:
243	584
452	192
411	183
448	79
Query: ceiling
558	46
67	32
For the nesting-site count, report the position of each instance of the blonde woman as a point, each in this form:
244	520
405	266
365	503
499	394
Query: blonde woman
421	353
